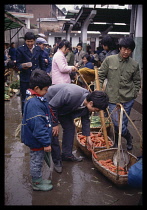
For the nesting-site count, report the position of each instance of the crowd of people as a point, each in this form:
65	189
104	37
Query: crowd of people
49	95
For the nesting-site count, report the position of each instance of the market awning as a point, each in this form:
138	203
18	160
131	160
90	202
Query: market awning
12	22
118	18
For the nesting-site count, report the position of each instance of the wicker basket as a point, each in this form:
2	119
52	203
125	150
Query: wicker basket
84	148
119	180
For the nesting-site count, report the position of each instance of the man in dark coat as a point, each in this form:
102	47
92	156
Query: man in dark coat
69	101
45	61
27	53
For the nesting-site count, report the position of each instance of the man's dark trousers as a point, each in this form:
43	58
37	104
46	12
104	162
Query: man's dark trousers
23	87
67	123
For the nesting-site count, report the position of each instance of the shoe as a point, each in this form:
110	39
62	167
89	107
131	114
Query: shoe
46	181
58	167
42	185
72	158
129	138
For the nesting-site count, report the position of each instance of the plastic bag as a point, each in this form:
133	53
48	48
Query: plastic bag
49	162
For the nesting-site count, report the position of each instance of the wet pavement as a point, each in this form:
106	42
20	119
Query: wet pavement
79	183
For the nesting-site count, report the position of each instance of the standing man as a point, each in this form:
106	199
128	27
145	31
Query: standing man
45	61
67	102
109	47
27	53
78	56
123	75
70	60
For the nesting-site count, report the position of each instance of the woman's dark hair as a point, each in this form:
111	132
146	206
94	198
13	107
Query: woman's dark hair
39	78
29	36
127	42
108	41
99	98
65	43
87	56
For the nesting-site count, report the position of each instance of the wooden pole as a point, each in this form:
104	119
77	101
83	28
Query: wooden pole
101	111
85	81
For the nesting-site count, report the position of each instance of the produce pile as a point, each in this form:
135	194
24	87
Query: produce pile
108	164
97	139
96	122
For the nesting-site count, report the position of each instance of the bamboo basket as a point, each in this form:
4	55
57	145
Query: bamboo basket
84	148
119	180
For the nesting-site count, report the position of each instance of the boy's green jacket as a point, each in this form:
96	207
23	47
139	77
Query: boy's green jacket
123	78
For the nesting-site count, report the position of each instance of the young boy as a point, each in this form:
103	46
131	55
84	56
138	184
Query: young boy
36	130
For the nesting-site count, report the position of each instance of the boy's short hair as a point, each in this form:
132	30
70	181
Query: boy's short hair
99	98
29	36
127	42
39	78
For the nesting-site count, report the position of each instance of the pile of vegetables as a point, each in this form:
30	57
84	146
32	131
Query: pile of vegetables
96	122
15	85
108	164
97	139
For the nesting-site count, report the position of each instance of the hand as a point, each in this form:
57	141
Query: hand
46	61
25	67
74	68
89	143
55	130
47	149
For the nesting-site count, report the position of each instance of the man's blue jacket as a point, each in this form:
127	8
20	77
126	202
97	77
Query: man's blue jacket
45	66
36	127
24	55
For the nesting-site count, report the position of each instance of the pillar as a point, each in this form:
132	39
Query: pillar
137	54
68	32
84	28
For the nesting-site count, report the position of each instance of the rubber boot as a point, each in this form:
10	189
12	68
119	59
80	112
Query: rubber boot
129	138
40	184
116	140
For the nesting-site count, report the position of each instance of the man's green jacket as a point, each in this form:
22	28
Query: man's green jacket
123	78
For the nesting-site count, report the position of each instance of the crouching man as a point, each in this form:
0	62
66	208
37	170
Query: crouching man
69	101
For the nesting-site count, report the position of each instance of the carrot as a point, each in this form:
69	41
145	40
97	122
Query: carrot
108	161
120	168
82	137
109	165
99	134
100	144
94	155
